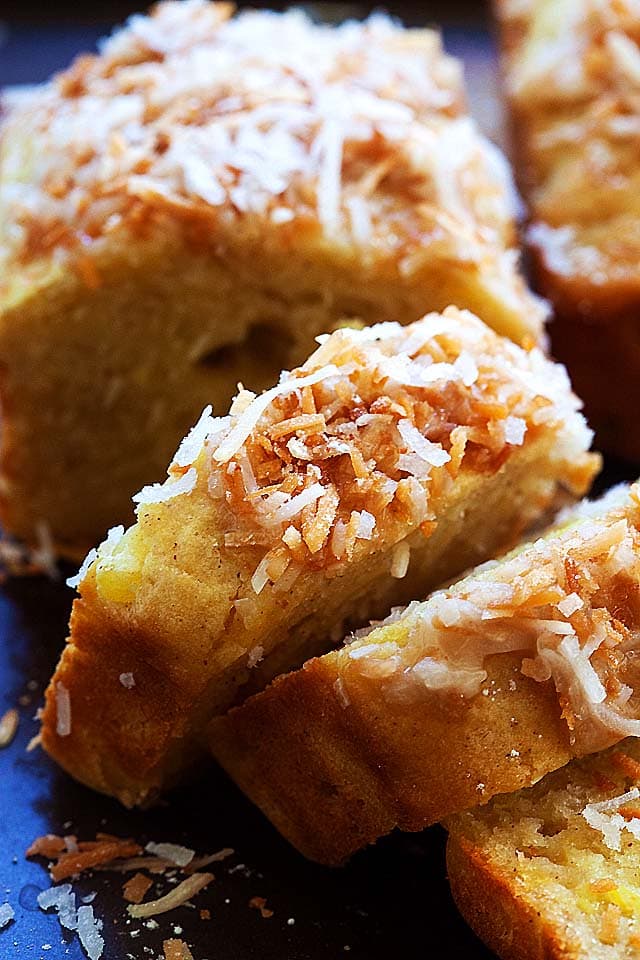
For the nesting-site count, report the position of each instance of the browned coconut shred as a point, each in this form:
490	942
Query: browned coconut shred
567	604
397	413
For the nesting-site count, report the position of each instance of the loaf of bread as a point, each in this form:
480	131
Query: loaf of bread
572	74
190	208
552	872
394	458
481	689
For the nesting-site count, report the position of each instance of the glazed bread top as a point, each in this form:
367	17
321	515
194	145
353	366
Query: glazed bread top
355	450
567	604
573	77
354	139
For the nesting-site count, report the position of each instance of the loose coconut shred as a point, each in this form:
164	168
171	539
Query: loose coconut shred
569	604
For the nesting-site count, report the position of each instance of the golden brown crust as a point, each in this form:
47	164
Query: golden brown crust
335	777
500	912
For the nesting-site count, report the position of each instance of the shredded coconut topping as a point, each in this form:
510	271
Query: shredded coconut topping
383	420
604	816
188	116
566	604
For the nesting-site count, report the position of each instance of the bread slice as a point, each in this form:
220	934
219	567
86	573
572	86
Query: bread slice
393	458
190	208
481	689
572	72
552	872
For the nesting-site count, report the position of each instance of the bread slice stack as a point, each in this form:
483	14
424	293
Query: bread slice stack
211	195
481	689
191	207
392	459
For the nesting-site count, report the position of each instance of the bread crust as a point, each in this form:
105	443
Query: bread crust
500	912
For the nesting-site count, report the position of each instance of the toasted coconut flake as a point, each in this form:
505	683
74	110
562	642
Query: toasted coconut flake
8	726
175	898
49	846
63	710
351	479
251	416
172	487
199	862
519	605
136	887
152	864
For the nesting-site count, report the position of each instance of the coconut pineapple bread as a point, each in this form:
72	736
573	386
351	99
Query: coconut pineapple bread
552	871
393	458
190	208
572	76
481	689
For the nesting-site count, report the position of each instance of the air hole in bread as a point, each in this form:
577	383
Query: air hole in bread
264	341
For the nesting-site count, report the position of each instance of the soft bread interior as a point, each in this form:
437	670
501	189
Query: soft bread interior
535	880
